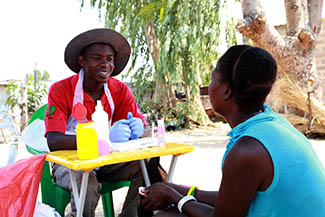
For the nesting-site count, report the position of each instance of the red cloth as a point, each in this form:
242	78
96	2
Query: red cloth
61	96
19	184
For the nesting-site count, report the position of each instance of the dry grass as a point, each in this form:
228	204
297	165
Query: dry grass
302	124
290	93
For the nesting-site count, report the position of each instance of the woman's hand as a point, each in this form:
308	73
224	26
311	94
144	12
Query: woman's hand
159	196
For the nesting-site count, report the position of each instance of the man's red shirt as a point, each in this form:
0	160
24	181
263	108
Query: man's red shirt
60	102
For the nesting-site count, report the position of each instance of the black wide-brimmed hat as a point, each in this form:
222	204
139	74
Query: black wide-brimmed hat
102	35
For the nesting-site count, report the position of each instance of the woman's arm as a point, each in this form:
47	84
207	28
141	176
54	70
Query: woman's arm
207	197
247	168
160	195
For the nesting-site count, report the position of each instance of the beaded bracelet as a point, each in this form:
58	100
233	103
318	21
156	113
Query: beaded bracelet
192	190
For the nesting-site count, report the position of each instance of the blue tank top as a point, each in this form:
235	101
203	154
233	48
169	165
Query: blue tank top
298	186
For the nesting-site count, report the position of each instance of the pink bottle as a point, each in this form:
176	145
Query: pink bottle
161	133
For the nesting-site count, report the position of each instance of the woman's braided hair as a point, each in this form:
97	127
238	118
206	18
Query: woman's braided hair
250	72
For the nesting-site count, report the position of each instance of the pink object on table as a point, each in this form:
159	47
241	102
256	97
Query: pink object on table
161	133
103	148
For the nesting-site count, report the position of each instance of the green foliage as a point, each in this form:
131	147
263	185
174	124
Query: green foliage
187	113
45	76
231	32
178	40
14	94
152	110
182	116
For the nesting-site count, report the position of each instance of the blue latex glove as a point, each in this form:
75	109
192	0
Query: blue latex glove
136	126
120	131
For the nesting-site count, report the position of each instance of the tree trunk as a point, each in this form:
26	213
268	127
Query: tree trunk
186	89
35	88
171	88
205	118
164	97
296	16
160	93
198	75
295	52
24	110
150	48
315	15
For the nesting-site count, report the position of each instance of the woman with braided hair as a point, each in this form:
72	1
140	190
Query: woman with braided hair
269	168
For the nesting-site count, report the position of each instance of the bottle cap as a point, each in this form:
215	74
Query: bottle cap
160	122
79	111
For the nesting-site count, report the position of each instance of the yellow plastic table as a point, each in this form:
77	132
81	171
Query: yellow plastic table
69	159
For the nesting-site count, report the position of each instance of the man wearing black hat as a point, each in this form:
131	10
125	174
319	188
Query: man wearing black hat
96	56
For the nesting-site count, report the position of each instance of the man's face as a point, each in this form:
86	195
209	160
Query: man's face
98	62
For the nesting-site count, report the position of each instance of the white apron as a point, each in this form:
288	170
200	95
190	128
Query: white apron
79	97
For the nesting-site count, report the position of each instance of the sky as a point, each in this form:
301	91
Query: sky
37	31
34	33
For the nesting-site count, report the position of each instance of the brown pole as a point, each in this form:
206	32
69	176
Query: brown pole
24	109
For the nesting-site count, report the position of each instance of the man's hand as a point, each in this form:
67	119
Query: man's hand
120	131
136	126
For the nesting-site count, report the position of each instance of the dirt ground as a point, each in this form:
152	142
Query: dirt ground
201	167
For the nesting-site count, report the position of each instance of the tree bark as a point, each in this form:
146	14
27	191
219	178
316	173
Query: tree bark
164	97
296	16
155	42
160	85
315	15
35	88
186	89
295	52
250	5
24	107
150	48
171	88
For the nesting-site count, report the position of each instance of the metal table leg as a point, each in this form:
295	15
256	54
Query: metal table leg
170	171
79	198
145	173
172	168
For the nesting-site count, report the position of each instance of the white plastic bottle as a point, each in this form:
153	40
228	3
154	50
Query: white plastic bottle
161	133
100	117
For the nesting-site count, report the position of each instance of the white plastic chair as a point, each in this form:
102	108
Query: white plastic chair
9	134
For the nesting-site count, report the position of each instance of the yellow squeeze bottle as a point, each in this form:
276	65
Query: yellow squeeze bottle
86	140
